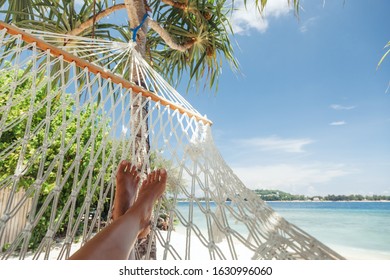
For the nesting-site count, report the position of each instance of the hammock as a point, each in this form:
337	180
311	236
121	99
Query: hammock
65	124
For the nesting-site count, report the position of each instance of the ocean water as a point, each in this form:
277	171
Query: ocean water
356	230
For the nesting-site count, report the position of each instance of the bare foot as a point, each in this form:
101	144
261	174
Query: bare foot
151	189
127	180
116	240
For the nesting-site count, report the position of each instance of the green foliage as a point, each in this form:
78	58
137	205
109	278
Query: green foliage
34	155
201	25
60	16
354	197
38	161
277	195
18	10
385	55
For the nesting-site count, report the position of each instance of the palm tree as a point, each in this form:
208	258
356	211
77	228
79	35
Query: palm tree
183	36
175	36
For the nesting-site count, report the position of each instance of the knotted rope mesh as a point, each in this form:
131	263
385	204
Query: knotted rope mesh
64	127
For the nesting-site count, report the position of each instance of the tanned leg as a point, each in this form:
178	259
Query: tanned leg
127	180
116	240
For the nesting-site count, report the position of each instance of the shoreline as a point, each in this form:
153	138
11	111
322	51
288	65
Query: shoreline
353	253
316	201
363	201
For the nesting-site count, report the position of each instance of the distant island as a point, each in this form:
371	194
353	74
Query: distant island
277	195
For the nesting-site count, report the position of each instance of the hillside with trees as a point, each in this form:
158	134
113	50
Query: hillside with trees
277	195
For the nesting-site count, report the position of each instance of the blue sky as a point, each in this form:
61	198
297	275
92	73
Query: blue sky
309	113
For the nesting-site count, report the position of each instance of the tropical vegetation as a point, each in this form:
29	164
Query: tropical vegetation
178	38
35	156
277	195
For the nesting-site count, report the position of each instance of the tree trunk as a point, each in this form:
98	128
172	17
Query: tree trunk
136	10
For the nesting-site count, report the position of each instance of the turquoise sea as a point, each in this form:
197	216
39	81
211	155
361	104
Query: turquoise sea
356	230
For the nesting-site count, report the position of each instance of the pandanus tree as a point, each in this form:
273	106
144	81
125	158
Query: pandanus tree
179	38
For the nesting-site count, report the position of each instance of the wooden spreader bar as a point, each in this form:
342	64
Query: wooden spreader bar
55	51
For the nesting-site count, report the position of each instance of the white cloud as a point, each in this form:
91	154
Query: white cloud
288	165
308	23
338	123
124	129
246	19
290	176
341	107
275	143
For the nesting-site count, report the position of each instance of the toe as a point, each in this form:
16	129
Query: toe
151	176
122	165
128	166
157	177
163	175
132	170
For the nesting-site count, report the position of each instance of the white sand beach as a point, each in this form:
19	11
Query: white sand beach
200	252
176	250
351	253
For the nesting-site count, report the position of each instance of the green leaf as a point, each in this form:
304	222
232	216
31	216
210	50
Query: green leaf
385	55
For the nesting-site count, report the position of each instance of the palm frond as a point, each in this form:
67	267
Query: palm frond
385	55
203	27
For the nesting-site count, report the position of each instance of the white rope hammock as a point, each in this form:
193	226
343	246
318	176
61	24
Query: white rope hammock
66	123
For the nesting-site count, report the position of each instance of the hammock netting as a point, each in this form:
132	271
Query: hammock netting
66	123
